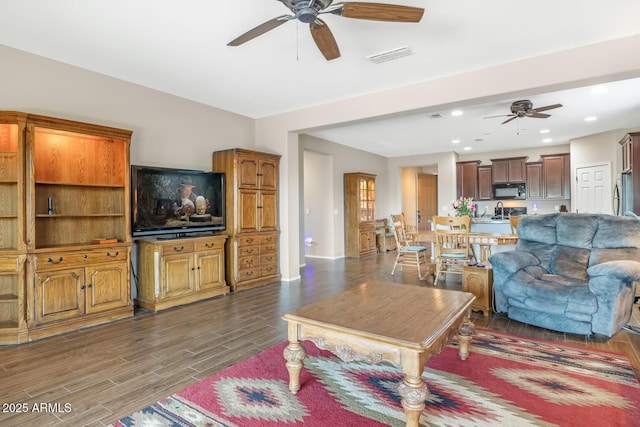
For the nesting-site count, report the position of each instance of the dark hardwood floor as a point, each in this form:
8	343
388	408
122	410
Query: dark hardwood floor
98	375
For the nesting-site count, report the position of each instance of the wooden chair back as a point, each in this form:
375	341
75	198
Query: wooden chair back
452	236
513	221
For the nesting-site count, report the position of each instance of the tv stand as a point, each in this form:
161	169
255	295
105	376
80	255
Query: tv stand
180	270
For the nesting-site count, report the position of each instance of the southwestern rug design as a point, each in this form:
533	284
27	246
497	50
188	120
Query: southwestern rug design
506	380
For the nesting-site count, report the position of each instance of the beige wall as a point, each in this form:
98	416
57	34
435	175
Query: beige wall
167	130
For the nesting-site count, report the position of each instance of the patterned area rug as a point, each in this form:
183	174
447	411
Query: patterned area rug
506	381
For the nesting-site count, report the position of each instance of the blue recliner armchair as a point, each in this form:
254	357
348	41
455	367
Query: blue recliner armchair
570	272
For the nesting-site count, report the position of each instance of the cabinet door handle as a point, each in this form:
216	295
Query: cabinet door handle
209	245
82	287
114	255
175	248
54	262
89	285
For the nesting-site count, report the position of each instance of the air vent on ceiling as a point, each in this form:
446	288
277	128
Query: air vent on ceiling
435	116
390	55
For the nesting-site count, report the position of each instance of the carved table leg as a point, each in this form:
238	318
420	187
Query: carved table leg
294	353
466	330
413	392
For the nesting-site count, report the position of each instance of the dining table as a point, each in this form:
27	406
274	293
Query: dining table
482	239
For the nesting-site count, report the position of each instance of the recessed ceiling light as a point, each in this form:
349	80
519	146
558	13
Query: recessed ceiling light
467	148
590	119
455	141
456	113
544	131
547	140
599	90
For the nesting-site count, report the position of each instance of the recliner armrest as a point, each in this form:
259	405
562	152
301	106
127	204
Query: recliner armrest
622	270
512	261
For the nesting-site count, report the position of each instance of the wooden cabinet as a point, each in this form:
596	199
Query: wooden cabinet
12	224
485	190
534	181
75	284
359	212
467	179
509	170
630	146
627	146
479	281
251	216
180	271
556	175
63	184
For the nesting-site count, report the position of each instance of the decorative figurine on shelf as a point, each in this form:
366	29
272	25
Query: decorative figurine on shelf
464	206
563	208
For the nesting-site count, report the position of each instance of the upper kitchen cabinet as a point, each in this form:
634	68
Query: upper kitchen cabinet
630	145
509	170
467	179
556	175
485	190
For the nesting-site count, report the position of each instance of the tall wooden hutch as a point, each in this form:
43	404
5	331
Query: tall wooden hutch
64	186
251	216
359	212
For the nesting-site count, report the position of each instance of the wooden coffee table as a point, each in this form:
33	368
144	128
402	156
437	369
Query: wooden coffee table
380	322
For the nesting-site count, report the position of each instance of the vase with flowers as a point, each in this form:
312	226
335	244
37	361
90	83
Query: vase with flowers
464	206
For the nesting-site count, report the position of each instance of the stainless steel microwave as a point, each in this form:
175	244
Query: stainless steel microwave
509	191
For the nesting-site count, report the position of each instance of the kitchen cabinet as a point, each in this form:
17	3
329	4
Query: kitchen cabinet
359	212
251	216
467	179
630	145
556	175
485	190
509	170
180	271
535	183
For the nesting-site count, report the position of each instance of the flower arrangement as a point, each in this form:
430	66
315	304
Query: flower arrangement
464	206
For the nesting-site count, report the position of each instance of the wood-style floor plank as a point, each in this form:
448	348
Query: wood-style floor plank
110	371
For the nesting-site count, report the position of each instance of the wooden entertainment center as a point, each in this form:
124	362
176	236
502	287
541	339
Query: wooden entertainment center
65	230
180	271
64	186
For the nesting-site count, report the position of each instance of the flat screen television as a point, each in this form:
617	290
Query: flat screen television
176	201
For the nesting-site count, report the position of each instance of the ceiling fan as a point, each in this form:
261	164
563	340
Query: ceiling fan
524	108
307	11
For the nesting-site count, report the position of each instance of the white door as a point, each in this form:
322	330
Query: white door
593	189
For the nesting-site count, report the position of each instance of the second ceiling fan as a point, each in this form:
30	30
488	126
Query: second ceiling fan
524	108
307	11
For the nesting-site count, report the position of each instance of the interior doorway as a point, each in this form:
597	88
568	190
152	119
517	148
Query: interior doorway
427	195
594	189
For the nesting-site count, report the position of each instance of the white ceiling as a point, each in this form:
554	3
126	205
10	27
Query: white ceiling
179	47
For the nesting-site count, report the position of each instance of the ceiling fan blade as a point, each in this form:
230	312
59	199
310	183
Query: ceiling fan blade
539	115
508	120
501	115
548	107
324	39
260	30
380	12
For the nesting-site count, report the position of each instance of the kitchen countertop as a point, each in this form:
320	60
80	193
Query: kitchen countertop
489	220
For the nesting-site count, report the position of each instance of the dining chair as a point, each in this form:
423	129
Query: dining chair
513	221
410	254
409	230
452	246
